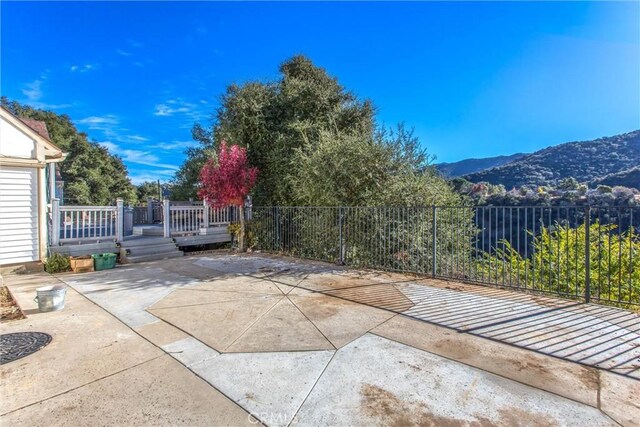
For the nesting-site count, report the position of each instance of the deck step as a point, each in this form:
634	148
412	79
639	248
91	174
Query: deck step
140	249
203	239
149	249
154	257
85	249
145	241
153	231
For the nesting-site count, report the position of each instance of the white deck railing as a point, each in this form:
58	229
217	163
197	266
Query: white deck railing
221	216
80	224
185	220
85	223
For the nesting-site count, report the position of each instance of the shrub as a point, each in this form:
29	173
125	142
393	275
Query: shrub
557	263
57	263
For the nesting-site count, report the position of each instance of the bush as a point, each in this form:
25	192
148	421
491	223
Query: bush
557	263
57	263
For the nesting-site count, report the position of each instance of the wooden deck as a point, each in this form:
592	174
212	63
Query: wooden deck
145	240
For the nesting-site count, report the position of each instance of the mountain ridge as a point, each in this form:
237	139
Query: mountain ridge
473	165
586	161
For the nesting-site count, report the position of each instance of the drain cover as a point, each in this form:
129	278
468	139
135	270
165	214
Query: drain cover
21	344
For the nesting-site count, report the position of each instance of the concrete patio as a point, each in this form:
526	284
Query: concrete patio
241	339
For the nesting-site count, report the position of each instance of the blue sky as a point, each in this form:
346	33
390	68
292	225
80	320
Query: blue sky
473	79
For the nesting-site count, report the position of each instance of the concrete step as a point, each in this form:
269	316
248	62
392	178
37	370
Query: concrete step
150	249
153	257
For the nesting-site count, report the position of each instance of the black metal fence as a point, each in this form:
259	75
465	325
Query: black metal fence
588	253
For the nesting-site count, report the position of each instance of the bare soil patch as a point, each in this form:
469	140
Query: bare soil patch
9	309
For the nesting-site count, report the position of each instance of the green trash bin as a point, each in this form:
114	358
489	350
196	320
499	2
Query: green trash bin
104	261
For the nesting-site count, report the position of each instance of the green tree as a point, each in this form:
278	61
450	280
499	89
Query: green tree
386	187
386	169
568	184
91	174
557	263
272	120
148	190
604	189
185	183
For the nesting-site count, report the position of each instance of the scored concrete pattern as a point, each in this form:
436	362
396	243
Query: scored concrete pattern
283	328
400	385
97	371
271	386
263	330
155	393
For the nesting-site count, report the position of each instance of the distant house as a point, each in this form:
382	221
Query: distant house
27	179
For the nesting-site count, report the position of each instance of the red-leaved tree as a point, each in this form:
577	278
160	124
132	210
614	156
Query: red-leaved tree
227	181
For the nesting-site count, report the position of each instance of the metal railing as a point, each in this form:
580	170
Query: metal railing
587	253
141	215
85	223
149	213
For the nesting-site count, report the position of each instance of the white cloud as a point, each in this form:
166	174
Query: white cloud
134	43
137	156
123	53
136	138
175	145
100	121
110	146
169	110
83	68
34	93
33	90
179	107
138	177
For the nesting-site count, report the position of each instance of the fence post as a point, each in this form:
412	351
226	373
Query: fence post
587	250
55	222
149	211
434	245
119	220
340	233
166	224
276	227
205	214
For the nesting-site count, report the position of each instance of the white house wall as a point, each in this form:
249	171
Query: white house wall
14	142
19	215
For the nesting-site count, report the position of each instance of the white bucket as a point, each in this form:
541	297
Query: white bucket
50	298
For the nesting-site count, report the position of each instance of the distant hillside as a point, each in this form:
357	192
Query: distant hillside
586	161
627	178
468	166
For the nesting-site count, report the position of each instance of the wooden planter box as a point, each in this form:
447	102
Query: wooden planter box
81	264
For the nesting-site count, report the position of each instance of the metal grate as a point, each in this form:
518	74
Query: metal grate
18	345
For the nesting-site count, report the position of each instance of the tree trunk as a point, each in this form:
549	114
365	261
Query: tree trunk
241	231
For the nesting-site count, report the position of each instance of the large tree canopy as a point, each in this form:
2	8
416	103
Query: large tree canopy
387	169
271	120
91	174
148	190
314	142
